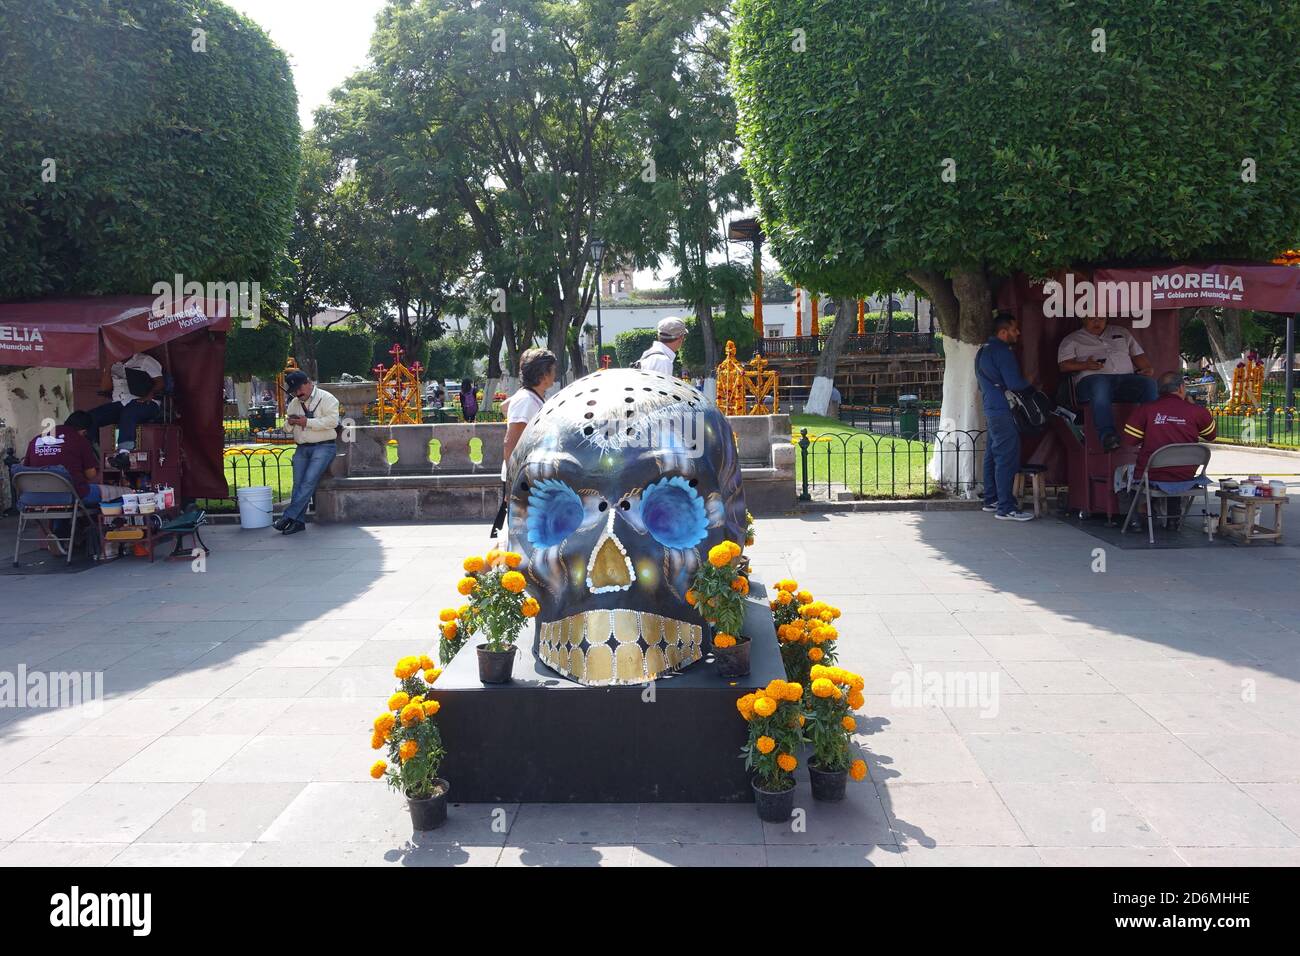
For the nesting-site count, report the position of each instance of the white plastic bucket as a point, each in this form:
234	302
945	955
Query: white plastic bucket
255	506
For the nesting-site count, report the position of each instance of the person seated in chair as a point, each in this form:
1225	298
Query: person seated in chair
136	383
1170	420
1108	366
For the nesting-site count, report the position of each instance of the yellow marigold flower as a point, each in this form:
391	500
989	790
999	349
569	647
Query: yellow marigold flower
384	723
765	744
775	689
719	555
765	706
531	607
746	706
412	714
856	699
449	630
463	610
513	560
418	700
829	633
431	707
787	585
494	557
849	724
740	584
793	691
835	612
466	586
773	605
815	654
432	674
787	762
858	769
513	581
426	663
377	769
473	565
408	750
817	671
732	547
783	598
804	597
447	614
802	720
826	616
377	740
724	640
406	667
822	687
399	700
691	598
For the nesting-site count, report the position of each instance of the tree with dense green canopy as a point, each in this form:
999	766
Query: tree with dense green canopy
953	143
140	139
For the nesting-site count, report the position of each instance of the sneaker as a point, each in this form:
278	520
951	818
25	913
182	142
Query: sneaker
1016	516
293	527
989	509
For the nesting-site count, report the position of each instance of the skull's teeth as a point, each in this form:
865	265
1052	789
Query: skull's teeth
601	648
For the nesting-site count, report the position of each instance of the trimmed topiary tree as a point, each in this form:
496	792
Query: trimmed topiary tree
956	142
630	345
341	350
141	139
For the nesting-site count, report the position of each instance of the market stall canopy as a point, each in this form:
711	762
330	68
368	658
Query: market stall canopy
94	332
1263	287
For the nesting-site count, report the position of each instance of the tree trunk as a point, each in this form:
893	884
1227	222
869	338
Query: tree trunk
304	349
704	315
243	397
1223	327
555	341
819	398
494	345
963	306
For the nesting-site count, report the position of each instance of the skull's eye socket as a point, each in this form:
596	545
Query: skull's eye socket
673	513
554	513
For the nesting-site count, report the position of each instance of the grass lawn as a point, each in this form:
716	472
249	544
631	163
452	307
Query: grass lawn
255	464
873	466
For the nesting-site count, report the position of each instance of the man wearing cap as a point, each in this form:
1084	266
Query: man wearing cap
659	356
312	417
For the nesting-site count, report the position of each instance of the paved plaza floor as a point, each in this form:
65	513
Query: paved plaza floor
1023	706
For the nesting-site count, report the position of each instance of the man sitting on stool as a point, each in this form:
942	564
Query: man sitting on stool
1109	366
312	417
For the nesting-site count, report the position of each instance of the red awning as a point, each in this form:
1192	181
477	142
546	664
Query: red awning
95	332
1264	287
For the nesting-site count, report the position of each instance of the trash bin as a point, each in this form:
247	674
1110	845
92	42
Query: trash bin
909	417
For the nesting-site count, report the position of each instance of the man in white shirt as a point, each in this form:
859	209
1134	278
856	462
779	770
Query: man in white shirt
135	384
1108	366
312	417
659	357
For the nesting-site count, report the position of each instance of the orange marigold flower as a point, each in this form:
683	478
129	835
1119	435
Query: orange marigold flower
378	768
787	762
466	586
783	598
426	663
856	699
449	629
787	585
514	582
793	691
494	557
822	687
732	547
431	707
719	555
724	640
408	750
815	654
432	675
775	688
804	597
858	769
513	560
447	614
530	607
377	740
765	744
399	700
691	598
740	584
849	724
412	713
746	706
473	565
384	723
765	706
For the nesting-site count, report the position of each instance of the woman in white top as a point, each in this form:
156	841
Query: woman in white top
537	368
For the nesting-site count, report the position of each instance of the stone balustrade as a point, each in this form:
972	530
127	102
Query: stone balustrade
453	471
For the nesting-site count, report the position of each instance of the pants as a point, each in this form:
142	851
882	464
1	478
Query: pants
126	417
310	462
1001	461
101	493
1100	391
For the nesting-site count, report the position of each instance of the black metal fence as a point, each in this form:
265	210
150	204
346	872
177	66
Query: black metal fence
1273	425
836	465
270	465
872	343
901	421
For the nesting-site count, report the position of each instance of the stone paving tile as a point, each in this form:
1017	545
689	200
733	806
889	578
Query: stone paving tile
15	751
142	853
24	805
177	759
133	718
1058	677
1110	856
224	813
930	856
59	854
108	813
226	715
298	758
835	855
723	823
1145	758
1077	814
567	854
1249	758
606	823
697	854
1239	856
1032	758
921	758
407	853
1207	814
78	759
949	814
277	682
1195	713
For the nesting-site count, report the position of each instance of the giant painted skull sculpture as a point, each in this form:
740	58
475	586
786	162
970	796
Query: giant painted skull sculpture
618	488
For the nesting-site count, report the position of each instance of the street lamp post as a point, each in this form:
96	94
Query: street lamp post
597	257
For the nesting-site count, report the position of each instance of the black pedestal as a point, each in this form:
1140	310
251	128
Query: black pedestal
544	739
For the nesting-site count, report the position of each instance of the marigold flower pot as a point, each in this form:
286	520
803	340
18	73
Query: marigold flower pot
732	661
429	813
495	667
774	806
827	784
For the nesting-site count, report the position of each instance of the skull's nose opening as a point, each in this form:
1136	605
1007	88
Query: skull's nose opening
609	568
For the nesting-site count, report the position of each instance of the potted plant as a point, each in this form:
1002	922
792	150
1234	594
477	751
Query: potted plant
457	625
498	606
829	701
775	735
718	591
414	744
803	629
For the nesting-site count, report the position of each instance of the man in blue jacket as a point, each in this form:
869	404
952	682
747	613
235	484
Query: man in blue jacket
997	371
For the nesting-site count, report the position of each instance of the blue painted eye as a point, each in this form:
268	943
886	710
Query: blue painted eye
673	512
554	513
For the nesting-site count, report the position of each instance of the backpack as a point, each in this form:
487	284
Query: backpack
1029	409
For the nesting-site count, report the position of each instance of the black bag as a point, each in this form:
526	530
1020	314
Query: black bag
138	382
1029	409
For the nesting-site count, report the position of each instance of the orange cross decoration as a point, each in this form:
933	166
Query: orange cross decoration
743	391
398	399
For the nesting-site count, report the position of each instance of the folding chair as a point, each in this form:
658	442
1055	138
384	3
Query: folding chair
1193	453
52	487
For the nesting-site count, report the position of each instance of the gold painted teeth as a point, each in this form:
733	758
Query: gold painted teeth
600	648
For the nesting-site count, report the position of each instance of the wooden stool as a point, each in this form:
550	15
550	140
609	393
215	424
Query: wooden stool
1238	513
1038	484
